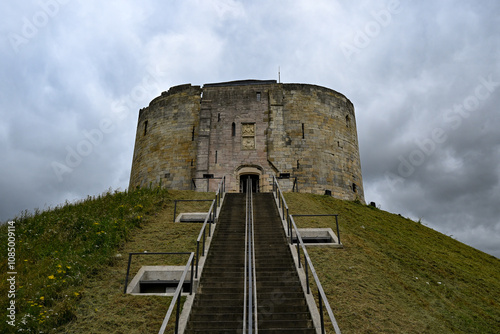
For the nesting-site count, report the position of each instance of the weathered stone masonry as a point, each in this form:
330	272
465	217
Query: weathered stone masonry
249	128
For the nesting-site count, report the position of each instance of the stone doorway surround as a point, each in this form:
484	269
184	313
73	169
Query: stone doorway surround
254	172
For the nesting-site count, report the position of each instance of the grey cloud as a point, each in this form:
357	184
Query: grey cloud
91	61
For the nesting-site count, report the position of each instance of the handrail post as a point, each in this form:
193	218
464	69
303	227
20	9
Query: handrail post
338	232
210	227
321	313
306	265
298	251
192	279
177	311
289	224
283	207
197	257
175	209
203	249
176	300
214	212
128	272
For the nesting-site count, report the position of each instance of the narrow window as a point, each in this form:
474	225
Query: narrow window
298	164
233	129
303	133
218	117
215	156
192	162
192	134
347	121
145	127
258	96
354	187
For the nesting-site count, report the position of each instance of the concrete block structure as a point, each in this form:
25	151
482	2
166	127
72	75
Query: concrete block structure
190	136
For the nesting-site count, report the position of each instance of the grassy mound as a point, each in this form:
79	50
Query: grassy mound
69	264
393	275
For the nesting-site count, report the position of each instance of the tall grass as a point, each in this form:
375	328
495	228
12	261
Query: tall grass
395	275
58	249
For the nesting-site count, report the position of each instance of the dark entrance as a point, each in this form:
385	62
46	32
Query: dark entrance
253	178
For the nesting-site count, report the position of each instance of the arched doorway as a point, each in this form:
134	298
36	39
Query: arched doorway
254	172
253	178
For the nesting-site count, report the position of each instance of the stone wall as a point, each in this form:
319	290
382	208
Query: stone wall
166	139
259	128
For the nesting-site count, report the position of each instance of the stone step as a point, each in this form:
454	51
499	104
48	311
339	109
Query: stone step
289	324
224	326
218	307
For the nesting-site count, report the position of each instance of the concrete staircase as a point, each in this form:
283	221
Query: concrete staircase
218	305
282	307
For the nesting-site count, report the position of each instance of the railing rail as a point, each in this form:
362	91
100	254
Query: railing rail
176	298
321	293
250	286
281	203
211	218
289	224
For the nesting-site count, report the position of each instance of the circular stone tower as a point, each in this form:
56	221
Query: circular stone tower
305	135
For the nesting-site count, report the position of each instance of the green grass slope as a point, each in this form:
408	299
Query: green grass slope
393	275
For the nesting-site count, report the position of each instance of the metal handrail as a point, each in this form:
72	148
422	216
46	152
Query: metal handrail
290	225
211	217
321	292
202	236
250	295
281	203
176	298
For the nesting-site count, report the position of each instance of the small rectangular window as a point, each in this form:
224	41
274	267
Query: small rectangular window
258	96
303	132
145	127
192	134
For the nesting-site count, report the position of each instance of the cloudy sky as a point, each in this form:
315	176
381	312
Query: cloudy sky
424	78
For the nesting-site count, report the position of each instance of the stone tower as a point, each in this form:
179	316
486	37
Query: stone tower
191	136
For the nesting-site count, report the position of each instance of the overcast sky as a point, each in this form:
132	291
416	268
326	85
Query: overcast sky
424	78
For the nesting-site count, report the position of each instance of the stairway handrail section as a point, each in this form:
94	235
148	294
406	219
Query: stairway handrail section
288	220
211	218
250	286
176	300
